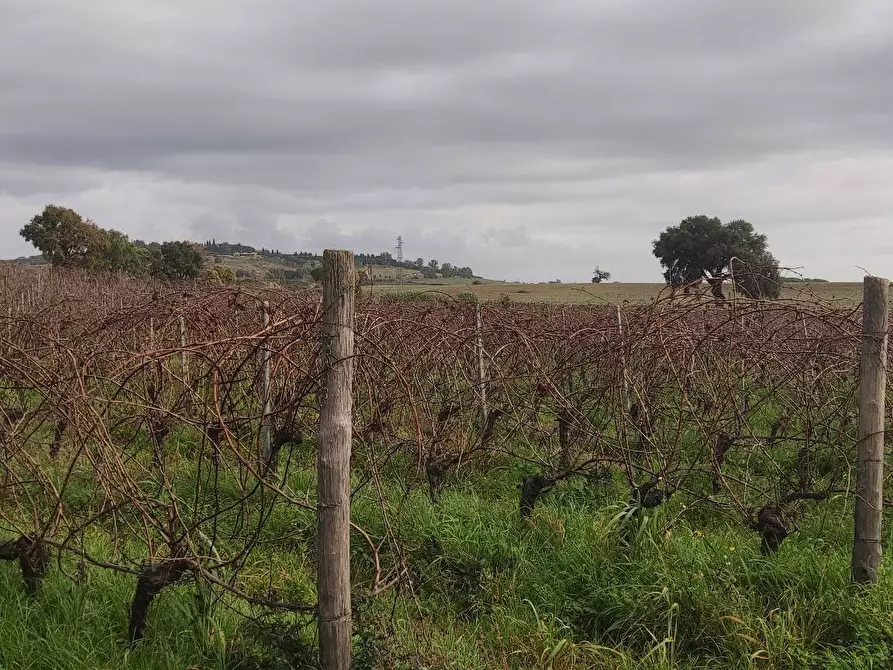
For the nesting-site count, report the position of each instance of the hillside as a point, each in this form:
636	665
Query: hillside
274	265
248	262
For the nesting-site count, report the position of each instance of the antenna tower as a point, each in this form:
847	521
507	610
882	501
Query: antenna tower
397	274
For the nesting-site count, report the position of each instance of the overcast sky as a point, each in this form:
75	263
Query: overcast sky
529	139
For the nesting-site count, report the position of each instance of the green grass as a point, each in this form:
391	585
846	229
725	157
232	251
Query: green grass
84	625
491	590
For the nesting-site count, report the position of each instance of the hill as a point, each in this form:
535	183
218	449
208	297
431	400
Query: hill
273	265
248	262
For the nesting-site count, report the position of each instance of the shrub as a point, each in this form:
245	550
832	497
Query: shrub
220	274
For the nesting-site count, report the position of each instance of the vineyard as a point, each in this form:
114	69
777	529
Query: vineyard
532	485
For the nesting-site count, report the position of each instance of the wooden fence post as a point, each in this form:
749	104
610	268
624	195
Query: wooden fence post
565	416
184	364
333	461
872	387
265	392
481	364
627	399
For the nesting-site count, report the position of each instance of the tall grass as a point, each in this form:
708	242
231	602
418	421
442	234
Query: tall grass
492	590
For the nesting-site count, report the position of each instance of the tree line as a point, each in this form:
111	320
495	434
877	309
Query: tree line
67	240
428	270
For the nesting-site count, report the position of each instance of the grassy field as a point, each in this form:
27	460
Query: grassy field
493	591
576	585
611	293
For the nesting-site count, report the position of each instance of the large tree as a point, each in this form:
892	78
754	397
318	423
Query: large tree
68	240
121	256
177	260
702	247
64	238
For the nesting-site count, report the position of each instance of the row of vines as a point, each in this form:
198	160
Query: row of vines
156	429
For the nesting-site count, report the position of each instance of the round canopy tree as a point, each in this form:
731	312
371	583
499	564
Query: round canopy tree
599	275
64	237
703	247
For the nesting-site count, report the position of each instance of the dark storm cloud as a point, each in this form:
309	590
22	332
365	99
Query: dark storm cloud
482	131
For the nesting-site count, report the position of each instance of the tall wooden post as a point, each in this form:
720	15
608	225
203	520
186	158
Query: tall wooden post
265	392
872	386
565	415
184	365
333	461
481	364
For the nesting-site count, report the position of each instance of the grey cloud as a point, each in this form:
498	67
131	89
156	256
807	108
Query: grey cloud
485	132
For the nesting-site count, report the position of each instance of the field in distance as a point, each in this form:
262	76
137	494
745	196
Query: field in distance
610	293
